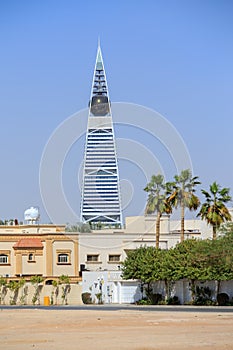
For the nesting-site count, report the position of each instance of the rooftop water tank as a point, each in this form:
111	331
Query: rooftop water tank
31	214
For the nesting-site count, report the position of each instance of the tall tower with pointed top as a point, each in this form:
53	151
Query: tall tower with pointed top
101	203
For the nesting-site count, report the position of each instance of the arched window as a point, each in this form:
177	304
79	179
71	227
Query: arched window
49	282
30	257
63	258
3	259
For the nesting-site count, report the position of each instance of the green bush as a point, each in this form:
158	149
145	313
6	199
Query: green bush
144	301
86	298
173	300
223	299
156	298
203	296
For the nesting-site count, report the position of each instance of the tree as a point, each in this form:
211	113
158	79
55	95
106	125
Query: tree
166	271
24	289
138	265
36	280
14	288
226	243
157	200
55	292
79	227
142	264
213	210
3	283
226	228
64	280
149	264
183	195
191	261
220	259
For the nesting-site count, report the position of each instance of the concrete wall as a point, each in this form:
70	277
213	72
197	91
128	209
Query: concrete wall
74	296
112	287
146	224
34	267
182	289
96	282
116	290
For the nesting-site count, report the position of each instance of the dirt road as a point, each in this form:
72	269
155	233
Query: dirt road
124	329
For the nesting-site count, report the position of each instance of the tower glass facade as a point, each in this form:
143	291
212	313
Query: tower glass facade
100	204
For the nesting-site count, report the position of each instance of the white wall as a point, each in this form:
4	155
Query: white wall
116	290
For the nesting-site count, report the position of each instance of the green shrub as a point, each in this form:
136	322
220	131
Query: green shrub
203	296
144	301
173	300
156	298
86	298
223	299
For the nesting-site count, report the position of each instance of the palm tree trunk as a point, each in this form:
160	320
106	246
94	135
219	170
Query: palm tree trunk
157	234
218	286
166	289
193	290
182	223
214	232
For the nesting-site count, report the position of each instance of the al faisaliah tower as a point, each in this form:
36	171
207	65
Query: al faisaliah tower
101	200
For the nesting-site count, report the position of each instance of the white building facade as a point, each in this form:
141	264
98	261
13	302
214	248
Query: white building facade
102	252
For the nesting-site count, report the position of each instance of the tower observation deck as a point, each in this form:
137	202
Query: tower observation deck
100	203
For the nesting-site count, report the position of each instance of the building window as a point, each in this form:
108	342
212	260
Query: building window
92	258
114	258
31	257
3	259
63	258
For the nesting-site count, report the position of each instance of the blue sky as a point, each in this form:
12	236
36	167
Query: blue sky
172	56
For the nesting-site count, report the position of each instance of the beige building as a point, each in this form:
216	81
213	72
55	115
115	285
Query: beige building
45	250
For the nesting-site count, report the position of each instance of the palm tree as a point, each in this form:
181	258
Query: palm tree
214	210
183	195
157	200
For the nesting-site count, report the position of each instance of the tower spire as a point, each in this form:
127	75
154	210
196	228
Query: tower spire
99	101
100	192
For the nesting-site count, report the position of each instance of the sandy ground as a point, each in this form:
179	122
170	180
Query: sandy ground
125	329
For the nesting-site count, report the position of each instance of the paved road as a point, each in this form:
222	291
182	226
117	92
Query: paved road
116	307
